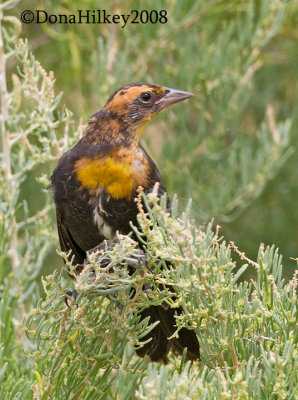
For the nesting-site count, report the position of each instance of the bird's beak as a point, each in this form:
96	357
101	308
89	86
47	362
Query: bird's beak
172	96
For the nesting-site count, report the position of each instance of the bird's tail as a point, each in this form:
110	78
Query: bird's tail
160	344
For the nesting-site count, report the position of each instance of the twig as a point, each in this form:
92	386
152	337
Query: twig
6	145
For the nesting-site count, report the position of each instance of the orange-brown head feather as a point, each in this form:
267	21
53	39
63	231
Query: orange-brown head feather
123	97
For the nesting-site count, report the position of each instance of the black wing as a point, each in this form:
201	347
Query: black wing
67	242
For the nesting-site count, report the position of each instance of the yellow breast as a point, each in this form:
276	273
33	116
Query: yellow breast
107	173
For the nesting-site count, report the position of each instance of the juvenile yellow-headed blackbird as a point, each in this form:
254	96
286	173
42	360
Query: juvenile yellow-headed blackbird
95	185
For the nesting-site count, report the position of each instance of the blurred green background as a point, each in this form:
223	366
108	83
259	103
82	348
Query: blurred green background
240	58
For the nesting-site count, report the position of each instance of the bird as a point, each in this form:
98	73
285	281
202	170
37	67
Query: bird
95	184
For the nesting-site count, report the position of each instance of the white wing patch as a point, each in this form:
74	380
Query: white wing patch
105	230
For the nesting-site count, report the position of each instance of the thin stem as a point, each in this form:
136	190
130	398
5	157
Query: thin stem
6	146
7	3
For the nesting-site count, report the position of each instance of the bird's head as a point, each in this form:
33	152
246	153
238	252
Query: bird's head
122	119
137	103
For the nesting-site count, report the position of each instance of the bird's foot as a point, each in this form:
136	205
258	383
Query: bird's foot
71	296
134	262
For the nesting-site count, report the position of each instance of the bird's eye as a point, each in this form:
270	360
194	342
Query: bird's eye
145	97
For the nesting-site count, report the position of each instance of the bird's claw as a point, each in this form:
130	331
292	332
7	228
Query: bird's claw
72	296
138	261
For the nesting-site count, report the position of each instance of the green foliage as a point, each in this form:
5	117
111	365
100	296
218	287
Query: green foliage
29	122
247	331
222	149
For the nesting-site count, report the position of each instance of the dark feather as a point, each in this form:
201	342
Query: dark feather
158	346
67	242
157	349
